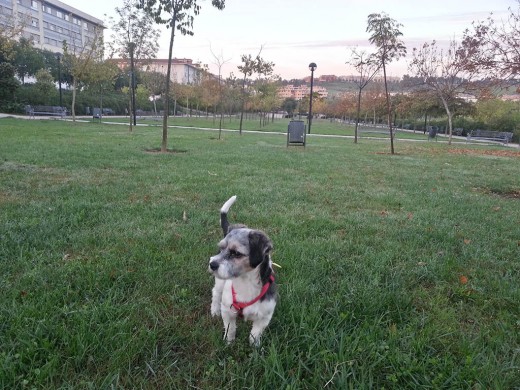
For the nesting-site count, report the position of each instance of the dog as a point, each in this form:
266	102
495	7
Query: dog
244	278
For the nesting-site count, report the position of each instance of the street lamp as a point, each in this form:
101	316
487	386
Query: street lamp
312	68
58	57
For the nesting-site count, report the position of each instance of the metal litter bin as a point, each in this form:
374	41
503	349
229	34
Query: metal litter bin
296	133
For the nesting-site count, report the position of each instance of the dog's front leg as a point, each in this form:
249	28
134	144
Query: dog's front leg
216	296
230	325
257	330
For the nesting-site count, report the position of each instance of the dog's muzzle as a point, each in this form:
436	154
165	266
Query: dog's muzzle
213	265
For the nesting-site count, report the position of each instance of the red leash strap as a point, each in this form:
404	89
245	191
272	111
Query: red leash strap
240	306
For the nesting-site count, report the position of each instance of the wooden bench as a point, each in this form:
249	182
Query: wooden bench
46	110
488	135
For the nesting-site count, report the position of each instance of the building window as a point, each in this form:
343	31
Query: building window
34	22
34	4
59	14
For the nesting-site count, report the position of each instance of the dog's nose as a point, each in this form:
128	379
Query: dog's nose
213	265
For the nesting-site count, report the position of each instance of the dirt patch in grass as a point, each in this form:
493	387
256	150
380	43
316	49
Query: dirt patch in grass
168	151
487	152
510	194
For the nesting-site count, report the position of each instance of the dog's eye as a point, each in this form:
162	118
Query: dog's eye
234	253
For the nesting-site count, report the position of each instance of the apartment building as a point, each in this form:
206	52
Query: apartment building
47	23
183	70
298	93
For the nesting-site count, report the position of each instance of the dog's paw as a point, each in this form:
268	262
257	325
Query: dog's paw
215	310
254	341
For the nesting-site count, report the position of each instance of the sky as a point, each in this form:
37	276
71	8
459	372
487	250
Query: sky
294	33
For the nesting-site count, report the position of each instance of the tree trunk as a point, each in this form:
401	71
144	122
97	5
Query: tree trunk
450	117
243	103
388	112
73	108
358	111
164	144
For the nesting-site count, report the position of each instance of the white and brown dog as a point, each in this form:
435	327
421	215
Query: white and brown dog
244	278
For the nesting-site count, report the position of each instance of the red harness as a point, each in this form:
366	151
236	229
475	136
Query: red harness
240	306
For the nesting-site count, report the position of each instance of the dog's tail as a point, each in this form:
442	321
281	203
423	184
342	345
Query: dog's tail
223	214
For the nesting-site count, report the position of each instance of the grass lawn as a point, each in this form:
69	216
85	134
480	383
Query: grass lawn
319	126
397	271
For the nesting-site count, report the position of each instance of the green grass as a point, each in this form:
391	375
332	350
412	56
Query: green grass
319	126
104	284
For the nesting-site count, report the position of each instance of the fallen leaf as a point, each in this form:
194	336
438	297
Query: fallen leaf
23	293
384	213
421	263
497	208
184	216
467	241
410	215
463	279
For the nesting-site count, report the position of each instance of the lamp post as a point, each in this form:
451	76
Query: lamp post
312	68
58	57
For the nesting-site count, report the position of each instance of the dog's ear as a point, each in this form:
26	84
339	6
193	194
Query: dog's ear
259	247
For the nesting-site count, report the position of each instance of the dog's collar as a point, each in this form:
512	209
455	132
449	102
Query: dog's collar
240	306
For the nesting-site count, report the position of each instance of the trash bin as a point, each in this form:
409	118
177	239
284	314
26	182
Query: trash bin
432	132
296	133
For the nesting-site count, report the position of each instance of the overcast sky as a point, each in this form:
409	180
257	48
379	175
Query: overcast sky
294	33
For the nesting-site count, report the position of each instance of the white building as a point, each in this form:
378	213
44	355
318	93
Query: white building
47	23
183	70
298	93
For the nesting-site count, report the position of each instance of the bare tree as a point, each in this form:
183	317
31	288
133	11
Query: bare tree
367	67
446	72
386	38
176	15
219	61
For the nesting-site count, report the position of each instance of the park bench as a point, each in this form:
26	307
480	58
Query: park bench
488	135
46	110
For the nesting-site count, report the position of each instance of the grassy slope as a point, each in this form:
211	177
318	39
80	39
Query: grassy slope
105	284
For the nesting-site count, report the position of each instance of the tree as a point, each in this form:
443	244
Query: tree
289	105
494	46
445	72
176	15
27	60
367	67
249	67
499	115
134	38
9	31
44	82
8	83
385	36
80	61
101	78
220	61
